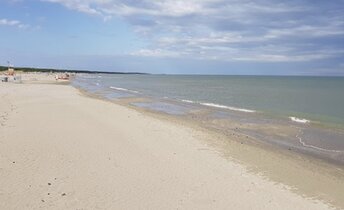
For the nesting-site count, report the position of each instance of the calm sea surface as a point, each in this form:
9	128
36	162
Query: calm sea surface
318	99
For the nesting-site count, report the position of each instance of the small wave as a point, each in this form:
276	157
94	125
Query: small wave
117	88
188	101
312	146
227	107
299	120
123	89
97	84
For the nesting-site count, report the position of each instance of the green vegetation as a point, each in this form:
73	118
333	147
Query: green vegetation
3	68
29	69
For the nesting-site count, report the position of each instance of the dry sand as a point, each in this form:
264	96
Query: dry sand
62	150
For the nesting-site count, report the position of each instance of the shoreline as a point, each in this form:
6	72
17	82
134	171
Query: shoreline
313	139
270	170
202	157
290	136
302	172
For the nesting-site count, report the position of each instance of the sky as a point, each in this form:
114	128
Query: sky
240	37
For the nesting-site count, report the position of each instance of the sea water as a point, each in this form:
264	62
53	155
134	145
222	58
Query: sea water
302	99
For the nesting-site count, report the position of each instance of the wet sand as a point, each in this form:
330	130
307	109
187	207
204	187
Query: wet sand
309	173
63	150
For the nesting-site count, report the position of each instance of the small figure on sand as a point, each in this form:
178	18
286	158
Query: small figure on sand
64	76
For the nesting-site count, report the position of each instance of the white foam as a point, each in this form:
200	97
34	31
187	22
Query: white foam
117	88
312	146
227	107
188	101
123	89
299	120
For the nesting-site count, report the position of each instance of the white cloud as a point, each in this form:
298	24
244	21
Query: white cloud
145	7
174	8
81	6
16	23
9	22
332	29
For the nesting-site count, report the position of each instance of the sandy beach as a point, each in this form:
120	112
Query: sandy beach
60	149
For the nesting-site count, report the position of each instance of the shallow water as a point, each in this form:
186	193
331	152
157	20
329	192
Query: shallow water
167	108
313	98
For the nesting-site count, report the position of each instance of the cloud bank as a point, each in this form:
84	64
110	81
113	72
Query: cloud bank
228	30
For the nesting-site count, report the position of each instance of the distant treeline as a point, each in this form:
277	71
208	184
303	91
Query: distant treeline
28	69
